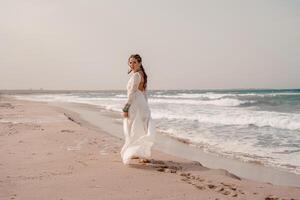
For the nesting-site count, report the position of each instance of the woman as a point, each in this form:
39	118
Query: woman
138	126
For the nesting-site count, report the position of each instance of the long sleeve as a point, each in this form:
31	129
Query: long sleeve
132	89
136	79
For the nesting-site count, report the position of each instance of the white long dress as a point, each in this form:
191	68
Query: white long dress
139	128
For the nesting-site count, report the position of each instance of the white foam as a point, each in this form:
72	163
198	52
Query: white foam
208	95
289	121
211	95
121	95
242	147
218	102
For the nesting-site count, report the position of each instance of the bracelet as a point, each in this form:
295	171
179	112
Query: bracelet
126	107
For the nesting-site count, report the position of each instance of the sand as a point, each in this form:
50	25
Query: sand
49	152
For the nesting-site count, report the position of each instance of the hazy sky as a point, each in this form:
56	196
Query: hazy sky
186	44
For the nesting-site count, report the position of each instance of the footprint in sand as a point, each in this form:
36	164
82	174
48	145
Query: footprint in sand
161	166
13	196
81	162
67	131
271	197
200	183
226	189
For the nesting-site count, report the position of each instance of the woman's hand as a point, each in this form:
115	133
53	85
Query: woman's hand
125	114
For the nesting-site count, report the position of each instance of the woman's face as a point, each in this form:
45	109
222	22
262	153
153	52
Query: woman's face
133	64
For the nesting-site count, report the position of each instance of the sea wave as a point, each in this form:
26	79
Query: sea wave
211	95
289	121
228	112
121	95
240	149
218	102
193	96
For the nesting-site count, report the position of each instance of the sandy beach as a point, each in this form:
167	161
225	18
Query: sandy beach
51	152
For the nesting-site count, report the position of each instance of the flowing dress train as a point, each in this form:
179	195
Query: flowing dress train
139	129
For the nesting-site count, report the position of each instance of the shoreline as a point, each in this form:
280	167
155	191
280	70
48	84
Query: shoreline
248	134
90	116
80	146
175	147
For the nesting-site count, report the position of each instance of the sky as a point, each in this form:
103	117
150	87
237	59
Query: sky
185	44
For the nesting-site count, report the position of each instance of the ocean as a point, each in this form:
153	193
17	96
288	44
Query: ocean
260	126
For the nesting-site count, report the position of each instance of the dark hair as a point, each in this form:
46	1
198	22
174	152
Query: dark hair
139	59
